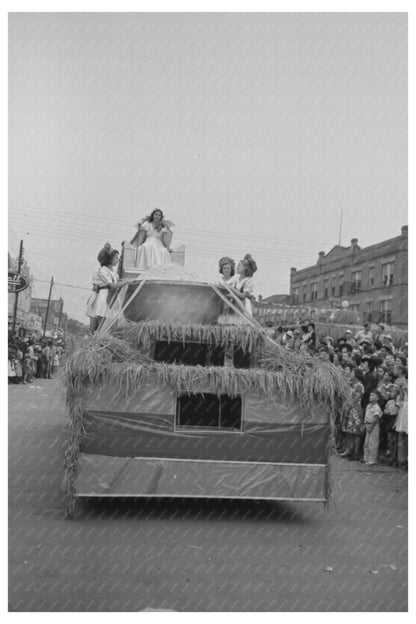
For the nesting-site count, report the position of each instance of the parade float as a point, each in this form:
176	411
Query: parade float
182	394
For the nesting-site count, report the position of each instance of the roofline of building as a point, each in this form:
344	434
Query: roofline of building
361	250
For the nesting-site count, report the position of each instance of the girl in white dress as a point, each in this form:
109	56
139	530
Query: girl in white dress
105	280
227	270
154	237
243	284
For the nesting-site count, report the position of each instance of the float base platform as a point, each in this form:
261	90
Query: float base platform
103	475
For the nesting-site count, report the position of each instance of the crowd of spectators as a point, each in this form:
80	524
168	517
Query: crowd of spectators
29	358
375	428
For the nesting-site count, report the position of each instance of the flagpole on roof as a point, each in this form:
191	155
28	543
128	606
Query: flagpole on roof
340	227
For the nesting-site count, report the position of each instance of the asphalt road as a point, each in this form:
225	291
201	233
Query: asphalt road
195	555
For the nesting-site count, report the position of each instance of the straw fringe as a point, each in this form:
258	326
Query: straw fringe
142	334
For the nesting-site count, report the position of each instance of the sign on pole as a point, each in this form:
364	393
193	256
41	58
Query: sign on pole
17	282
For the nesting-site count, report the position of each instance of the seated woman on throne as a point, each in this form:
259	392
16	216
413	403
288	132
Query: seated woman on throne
153	238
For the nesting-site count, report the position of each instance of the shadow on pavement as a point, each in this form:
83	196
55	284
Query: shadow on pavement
196	509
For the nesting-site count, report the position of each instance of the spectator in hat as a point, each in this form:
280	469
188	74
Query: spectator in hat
347	338
364	335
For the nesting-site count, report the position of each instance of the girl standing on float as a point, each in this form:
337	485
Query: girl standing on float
106	280
243	284
227	270
153	238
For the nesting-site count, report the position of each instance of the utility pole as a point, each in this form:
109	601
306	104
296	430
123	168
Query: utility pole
61	311
47	307
17	294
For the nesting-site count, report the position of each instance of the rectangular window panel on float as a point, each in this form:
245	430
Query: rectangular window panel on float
241	358
209	411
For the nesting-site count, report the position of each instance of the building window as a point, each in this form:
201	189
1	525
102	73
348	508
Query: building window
341	285
385	311
368	314
296	295
208	411
314	291
326	289
333	288
371	277
387	273
355	281
304	293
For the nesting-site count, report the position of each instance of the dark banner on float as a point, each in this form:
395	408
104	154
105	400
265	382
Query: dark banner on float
153	435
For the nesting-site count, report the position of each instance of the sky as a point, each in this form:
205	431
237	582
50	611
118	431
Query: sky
253	132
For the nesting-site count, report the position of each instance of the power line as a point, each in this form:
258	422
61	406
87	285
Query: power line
206	232
219	248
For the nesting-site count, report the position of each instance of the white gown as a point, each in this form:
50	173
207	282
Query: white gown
152	252
245	285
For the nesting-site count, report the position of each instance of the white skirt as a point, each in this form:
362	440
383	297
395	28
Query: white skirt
151	254
401	423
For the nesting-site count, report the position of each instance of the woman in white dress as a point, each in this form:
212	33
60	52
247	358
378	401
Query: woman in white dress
243	284
227	271
154	237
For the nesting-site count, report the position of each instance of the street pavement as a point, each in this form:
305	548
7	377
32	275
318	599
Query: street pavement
195	555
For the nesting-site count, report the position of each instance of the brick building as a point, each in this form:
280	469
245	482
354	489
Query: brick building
374	280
